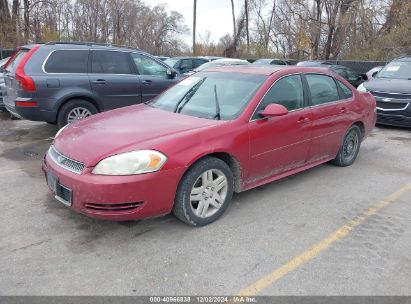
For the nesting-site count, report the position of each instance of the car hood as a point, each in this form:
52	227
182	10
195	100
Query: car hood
123	130
389	85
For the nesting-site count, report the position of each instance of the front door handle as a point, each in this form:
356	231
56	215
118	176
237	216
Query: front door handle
147	82
99	81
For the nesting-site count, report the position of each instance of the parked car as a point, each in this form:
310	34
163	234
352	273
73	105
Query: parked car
218	62
223	130
64	82
371	73
2	85
185	64
162	58
313	63
270	61
391	88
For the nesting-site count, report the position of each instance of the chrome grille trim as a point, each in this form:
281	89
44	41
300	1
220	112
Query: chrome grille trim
397	109
65	162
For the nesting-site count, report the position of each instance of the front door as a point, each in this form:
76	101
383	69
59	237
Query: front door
280	144
153	75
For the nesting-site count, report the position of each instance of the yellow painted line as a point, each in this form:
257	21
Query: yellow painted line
322	245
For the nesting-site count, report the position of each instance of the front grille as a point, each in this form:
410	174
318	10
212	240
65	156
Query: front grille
125	207
394	97
65	162
392	105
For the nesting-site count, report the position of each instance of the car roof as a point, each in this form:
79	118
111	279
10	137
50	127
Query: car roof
403	58
267	70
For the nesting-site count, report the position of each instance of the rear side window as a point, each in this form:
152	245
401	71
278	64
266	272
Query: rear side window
323	89
346	91
16	60
110	62
67	61
198	62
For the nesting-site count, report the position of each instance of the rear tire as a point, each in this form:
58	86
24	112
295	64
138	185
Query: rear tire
74	110
204	192
349	148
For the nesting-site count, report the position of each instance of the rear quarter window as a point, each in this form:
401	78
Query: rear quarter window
346	91
67	61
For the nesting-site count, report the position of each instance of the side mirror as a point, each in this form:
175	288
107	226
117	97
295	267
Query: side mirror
274	110
374	74
363	77
171	73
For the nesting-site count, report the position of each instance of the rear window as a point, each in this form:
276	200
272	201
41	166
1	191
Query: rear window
67	61
16	60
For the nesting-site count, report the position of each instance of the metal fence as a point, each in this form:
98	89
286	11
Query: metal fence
5	53
359	67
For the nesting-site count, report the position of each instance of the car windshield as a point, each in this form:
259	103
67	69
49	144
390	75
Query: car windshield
171	62
397	70
211	95
3	61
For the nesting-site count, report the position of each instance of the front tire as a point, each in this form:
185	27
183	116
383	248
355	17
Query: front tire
349	148
204	192
74	110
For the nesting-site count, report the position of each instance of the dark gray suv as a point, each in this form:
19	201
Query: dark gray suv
63	82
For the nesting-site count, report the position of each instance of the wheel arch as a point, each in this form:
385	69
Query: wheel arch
230	160
361	125
90	99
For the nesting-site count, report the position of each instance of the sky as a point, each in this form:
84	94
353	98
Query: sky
212	15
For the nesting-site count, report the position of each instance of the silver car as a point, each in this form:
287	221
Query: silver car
2	85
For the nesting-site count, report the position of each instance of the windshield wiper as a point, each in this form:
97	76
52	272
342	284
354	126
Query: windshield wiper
217	104
187	96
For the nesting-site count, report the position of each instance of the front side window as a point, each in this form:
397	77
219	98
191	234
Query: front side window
210	95
323	89
147	66
110	62
67	61
287	91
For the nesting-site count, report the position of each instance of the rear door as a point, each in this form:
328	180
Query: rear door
331	116
113	79
280	144
153	75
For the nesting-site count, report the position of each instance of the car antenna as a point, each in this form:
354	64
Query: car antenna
217	104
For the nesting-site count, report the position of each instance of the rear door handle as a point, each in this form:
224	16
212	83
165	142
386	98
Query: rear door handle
343	110
303	120
147	82
99	81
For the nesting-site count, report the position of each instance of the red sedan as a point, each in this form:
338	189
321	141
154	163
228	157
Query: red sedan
221	131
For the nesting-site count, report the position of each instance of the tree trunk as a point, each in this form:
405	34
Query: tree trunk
194	27
233	15
26	20
246	25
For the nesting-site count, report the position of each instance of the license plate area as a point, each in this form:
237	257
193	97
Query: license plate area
61	193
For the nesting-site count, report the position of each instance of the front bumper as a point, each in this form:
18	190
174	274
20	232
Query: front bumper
118	198
393	112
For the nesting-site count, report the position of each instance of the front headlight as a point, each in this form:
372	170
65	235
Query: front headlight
130	163
361	88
